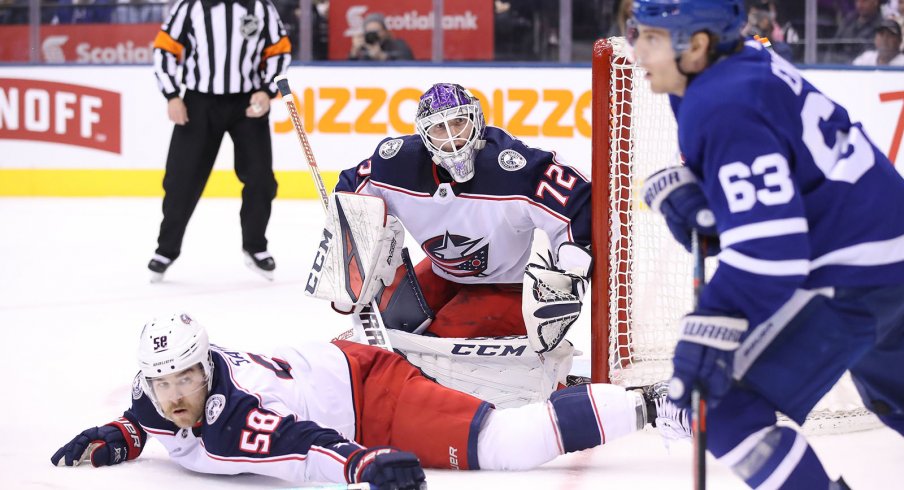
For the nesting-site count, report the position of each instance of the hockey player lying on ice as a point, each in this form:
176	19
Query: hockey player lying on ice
342	412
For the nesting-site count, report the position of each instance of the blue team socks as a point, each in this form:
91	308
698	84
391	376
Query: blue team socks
575	413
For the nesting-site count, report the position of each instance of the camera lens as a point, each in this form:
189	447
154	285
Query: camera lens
371	37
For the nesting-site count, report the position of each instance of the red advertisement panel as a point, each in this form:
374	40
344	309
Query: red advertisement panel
88	43
60	113
467	26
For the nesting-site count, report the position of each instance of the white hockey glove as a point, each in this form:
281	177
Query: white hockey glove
552	295
359	252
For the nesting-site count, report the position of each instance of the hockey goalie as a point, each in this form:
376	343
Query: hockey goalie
505	230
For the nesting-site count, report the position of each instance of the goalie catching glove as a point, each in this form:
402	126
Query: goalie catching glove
359	251
553	295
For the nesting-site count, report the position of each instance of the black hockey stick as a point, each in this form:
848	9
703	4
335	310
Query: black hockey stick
368	321
698	401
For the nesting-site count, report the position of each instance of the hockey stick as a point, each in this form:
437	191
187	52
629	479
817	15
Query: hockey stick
698	402
368	322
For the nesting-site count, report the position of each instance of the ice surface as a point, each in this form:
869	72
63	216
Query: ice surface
74	293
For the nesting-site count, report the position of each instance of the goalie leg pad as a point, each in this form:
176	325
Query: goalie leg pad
403	305
501	370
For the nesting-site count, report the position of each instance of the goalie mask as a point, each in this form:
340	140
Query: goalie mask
167	351
451	124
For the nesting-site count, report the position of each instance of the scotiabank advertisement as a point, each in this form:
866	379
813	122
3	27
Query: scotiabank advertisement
467	26
88	43
72	117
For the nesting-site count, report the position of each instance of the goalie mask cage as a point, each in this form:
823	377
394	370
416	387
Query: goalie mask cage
642	278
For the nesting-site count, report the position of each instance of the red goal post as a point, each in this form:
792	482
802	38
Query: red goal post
642	278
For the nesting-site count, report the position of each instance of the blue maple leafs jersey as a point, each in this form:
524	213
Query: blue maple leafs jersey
802	197
479	231
273	416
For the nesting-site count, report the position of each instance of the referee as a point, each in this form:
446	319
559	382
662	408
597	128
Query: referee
226	53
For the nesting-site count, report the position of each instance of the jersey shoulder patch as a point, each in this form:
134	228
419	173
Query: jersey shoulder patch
510	160
137	389
214	407
390	148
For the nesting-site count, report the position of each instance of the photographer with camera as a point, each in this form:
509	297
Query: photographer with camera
377	44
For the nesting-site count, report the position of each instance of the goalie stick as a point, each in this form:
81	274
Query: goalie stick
367	320
698	402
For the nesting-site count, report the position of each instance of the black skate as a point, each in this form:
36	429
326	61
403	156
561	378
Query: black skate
158	266
262	263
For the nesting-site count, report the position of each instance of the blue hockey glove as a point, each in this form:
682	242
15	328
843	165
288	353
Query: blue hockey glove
704	356
385	468
675	193
108	444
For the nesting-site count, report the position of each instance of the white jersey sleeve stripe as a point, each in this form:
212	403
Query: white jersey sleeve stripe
158	432
332	454
517	198
257	460
362	185
764	267
763	229
555	426
865	254
394	188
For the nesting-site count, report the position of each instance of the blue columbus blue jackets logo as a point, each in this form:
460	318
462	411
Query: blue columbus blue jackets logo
457	255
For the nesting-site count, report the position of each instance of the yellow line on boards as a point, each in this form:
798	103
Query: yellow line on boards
293	184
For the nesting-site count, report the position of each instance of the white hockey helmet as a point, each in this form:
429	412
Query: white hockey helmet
170	346
454	146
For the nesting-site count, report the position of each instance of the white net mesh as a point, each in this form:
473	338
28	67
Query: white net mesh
650	275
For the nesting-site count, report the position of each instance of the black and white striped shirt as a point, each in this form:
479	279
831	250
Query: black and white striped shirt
220	48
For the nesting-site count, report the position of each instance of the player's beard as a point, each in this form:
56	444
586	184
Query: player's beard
186	411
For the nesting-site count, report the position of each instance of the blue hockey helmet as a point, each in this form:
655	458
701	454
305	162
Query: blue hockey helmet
684	18
450	122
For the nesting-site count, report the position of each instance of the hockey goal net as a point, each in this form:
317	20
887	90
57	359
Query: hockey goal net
642	282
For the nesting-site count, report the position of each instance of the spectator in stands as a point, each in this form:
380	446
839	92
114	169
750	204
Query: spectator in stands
899	17
139	11
509	28
761	23
13	12
80	12
888	47
622	14
377	43
320	44
290	13
856	32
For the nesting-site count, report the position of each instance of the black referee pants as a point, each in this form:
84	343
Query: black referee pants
193	149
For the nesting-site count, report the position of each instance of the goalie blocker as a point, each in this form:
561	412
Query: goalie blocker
359	251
